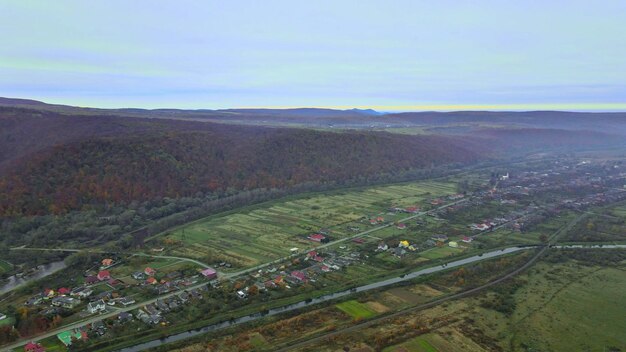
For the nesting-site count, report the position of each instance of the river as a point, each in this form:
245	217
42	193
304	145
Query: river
324	298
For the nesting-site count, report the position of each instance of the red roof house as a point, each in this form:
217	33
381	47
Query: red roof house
317	237
64	291
34	347
91	279
151	280
149	271
412	209
104	275
299	275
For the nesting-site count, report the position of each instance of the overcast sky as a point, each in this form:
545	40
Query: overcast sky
389	55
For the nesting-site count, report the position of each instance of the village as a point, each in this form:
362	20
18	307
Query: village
156	294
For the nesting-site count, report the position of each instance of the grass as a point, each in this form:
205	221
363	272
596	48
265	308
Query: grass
5	267
441	252
418	344
8	321
356	309
586	307
266	232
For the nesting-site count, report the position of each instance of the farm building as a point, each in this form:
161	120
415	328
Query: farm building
209	273
317	237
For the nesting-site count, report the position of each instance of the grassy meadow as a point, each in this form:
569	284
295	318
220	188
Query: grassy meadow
266	232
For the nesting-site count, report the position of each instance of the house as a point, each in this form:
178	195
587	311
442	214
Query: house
151	281
107	262
209	273
96	307
436	201
317	237
318	259
311	254
173	304
439	238
34	347
124	317
162	306
279	280
69	336
382	246
325	268
241	294
64	291
373	222
91	279
404	244
48	293
398	252
358	240
380	219
35	300
149	271
453	244
151	309
173	275
412	210
138	275
81	292
126	301
104	275
65	302
299	275
467	239
480	227
401	226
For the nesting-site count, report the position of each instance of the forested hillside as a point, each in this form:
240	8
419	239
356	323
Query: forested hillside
51	163
183	163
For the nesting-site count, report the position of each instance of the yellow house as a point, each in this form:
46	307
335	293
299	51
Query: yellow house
404	244
453	244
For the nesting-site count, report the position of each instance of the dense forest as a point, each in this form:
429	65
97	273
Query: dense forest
182	163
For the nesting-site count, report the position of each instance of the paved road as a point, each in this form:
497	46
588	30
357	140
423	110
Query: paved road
98	317
204	265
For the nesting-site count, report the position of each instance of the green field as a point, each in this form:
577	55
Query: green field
587	307
356	309
418	344
4	266
8	321
266	232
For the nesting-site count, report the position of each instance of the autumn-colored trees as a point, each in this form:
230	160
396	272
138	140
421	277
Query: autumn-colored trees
107	170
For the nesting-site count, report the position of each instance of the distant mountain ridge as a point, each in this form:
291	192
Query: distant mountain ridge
607	122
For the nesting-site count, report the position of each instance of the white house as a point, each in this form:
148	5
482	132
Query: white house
96	306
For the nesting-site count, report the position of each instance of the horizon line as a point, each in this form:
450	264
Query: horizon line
513	107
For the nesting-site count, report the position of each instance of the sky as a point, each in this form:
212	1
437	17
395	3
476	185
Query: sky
389	55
